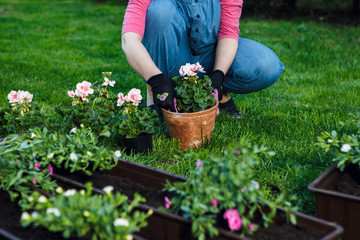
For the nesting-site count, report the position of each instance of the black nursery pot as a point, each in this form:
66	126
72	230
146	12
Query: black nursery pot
139	144
334	206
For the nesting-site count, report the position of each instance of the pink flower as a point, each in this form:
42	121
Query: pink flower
84	88
51	170
37	165
162	97
34	180
81	95
121	99
251	227
134	96
108	82
214	202
71	94
231	213
188	70
237	152
199	68
234	221
199	164
167	202
24	97
13	97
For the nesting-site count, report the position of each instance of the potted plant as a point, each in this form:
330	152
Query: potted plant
93	105
196	107
81	213
337	190
137	124
21	114
128	178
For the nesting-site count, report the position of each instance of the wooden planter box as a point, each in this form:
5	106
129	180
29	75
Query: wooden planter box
166	226
334	206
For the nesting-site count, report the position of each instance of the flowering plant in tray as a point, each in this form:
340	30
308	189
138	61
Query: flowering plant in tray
84	214
221	192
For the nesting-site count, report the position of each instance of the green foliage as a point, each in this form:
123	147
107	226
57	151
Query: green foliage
18	173
346	146
193	94
229	180
82	213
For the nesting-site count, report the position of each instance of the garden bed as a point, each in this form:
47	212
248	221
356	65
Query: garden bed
129	178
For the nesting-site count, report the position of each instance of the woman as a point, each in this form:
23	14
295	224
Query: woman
159	36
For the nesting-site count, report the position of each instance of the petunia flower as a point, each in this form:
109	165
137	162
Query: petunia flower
167	202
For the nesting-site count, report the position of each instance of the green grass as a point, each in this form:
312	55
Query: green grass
46	47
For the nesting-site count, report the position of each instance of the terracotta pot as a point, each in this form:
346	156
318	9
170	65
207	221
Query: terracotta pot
139	144
334	206
192	129
166	226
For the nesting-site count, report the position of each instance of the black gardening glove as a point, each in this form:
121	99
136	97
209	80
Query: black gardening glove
163	91
217	78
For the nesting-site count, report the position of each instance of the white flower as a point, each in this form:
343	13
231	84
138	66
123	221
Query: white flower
13	97
121	222
24	97
69	192
34	215
59	190
71	94
73	130
108	189
188	70
82	192
134	96
33	135
73	156
121	99
25	216
51	155
117	153
89	153
108	82
83	89
42	199
55	211
345	148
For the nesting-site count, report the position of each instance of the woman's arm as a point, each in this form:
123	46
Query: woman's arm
137	55
225	54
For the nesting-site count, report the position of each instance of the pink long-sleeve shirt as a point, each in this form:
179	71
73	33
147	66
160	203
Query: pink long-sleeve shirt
134	20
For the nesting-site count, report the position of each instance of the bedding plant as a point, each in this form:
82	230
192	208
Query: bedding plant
135	120
83	214
93	105
345	146
221	192
20	114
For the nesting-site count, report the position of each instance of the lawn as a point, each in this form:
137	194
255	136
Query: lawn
46	47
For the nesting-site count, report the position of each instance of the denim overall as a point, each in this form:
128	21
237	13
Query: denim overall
185	31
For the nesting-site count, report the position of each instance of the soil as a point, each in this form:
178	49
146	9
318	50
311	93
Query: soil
346	184
10	221
155	198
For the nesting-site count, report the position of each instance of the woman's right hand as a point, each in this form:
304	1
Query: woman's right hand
163	91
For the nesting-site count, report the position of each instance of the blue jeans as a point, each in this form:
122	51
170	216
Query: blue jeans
185	31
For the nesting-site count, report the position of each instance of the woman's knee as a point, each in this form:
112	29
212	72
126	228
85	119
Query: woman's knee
255	67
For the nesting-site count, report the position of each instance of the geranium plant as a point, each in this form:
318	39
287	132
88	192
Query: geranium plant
221	191
81	213
93	105
194	94
21	114
346	146
135	120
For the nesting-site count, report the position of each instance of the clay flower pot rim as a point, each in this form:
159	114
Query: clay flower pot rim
192	113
